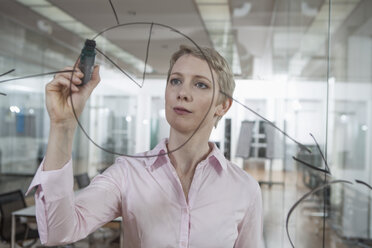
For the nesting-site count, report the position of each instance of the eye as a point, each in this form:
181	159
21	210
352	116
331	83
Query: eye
201	85
175	81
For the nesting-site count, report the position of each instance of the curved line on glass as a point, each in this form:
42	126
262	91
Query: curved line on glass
151	24
320	187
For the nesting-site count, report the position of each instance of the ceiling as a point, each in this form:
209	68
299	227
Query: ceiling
180	14
271	37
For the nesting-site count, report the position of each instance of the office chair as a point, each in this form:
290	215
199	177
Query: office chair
82	180
10	202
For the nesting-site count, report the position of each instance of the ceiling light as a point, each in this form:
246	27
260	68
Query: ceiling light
316	34
344	118
61	18
44	26
307	10
77	28
50	11
331	80
215	12
34	2
217	20
242	11
14	109
200	2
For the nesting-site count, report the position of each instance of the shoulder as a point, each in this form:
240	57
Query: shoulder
143	159
236	178
243	180
125	163
123	169
139	161
241	175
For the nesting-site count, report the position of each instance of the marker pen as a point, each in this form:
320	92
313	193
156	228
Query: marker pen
87	57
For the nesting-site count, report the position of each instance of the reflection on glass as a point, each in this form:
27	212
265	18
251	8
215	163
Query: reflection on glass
114	129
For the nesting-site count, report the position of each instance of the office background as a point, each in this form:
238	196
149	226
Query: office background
305	65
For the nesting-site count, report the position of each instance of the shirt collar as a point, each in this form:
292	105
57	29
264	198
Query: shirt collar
159	156
216	156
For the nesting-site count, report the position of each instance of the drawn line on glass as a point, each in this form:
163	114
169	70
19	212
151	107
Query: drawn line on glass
118	67
364	183
138	84
326	171
29	76
35	75
147	54
5	73
321	153
309	165
197	128
113	10
294	206
320	187
269	122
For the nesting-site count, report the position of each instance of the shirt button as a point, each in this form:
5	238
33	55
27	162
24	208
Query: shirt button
183	243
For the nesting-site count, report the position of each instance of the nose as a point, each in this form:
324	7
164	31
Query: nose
184	94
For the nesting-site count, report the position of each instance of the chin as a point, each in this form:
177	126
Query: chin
183	128
187	126
189	129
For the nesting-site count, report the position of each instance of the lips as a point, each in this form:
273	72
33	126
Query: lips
181	110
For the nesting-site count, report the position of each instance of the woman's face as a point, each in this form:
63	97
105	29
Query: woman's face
189	94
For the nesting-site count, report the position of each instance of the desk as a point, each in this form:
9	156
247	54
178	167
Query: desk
25	212
30	213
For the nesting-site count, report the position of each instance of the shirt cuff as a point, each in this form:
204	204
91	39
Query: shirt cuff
55	184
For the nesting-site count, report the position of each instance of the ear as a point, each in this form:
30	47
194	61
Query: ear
223	107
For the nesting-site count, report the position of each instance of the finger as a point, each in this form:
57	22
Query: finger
75	78
78	71
77	62
65	72
64	83
95	79
67	84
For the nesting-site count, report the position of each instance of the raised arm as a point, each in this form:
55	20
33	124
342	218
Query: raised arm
63	217
62	119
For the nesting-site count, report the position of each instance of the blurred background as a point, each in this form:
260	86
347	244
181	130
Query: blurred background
305	65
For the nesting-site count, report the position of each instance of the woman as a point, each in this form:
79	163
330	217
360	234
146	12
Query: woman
189	197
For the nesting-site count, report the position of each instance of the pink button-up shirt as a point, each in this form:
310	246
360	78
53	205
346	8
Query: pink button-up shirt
224	207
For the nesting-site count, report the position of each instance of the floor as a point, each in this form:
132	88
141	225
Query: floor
305	224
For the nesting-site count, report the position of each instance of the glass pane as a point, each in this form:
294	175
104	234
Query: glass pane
302	103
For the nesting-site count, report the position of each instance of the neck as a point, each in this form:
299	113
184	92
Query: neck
188	155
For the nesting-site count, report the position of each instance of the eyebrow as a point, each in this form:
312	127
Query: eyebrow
198	76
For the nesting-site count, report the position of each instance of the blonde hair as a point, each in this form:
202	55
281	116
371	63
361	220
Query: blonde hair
225	77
